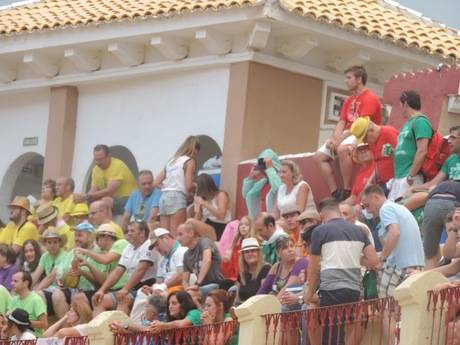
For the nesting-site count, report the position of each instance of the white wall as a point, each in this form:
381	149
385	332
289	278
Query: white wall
21	115
151	116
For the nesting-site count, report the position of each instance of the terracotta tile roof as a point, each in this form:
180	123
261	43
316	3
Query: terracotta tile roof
372	18
50	14
365	16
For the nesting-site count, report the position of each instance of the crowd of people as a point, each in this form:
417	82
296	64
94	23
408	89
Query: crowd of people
165	250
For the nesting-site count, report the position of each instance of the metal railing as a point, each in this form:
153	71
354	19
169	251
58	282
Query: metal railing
445	307
223	333
361	323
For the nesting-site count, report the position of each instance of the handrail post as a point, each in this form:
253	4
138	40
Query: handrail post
252	324
412	295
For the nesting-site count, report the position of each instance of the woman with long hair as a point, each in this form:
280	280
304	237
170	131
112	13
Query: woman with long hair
176	183
29	256
231	257
73	322
253	269
181	312
211	211
294	192
217	309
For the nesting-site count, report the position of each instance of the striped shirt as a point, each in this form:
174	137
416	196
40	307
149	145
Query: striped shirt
340	245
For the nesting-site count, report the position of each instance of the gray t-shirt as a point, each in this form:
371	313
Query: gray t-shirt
193	259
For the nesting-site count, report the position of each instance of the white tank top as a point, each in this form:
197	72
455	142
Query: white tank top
175	175
205	214
288	201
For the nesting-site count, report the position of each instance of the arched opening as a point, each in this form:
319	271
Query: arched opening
120	152
23	177
205	159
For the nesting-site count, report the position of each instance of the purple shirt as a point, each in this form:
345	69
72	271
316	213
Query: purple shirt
6	274
273	279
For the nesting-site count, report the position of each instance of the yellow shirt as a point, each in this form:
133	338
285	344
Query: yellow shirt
116	171
64	206
27	232
118	230
7	234
64	229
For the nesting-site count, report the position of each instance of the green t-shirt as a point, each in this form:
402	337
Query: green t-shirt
406	148
451	167
33	304
118	248
269	253
194	316
4	299
48	263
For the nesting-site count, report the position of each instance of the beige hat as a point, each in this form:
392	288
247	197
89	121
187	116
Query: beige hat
106	229
249	244
46	213
22	202
309	213
156	234
52	232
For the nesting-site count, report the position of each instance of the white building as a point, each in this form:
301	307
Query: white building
141	75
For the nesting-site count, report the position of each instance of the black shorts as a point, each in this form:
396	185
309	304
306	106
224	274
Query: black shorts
49	302
218	227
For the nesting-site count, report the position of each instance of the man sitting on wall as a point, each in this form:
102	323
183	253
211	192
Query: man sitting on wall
362	103
110	177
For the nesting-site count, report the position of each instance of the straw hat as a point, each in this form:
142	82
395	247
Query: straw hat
46	213
21	202
106	229
309	213
359	128
249	244
52	232
79	210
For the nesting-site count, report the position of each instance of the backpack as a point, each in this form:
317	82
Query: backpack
437	153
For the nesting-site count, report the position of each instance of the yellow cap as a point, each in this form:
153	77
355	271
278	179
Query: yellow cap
79	210
359	128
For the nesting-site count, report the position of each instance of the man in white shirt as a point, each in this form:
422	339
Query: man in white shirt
170	269
140	264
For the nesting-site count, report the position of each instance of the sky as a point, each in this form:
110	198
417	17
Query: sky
443	11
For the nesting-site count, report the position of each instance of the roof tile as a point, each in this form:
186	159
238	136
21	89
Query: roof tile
387	23
366	16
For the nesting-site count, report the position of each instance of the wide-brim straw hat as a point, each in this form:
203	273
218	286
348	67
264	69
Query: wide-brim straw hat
106	229
46	213
52	232
22	202
250	243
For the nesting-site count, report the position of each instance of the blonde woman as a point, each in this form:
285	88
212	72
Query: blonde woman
294	192
231	257
253	269
176	183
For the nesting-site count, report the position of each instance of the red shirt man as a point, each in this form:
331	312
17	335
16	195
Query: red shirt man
378	137
364	104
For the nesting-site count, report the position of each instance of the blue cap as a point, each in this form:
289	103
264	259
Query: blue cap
85	226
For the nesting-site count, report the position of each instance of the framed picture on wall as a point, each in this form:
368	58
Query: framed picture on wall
334	105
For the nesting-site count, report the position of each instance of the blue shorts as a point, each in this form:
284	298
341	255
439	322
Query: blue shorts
171	202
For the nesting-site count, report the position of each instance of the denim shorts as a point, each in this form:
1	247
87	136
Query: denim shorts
171	202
